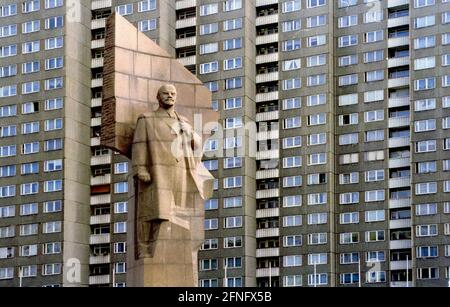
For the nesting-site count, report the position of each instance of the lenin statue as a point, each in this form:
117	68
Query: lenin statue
171	182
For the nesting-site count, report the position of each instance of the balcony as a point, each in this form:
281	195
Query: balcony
267	135
264	20
399	284
400	244
187	61
399	182
99	280
98	43
398	102
268	173
267	96
100	199
99	259
267	272
271	76
100	4
268	154
399	21
267	252
186	23
267	232
96	121
100	239
398	41
185	42
265	2
394	3
267	116
100	219
267	58
271	212
95	141
98	62
399	265
399	203
399	121
183	4
401	61
97	82
96	102
399	142
398	82
403	223
98	23
100	180
402	162
269	193
267	39
100	160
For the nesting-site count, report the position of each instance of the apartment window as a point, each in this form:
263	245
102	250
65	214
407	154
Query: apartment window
209	28
424	63
120	227
317	139
292	181
318	40
8	71
28	250
426	146
316	80
126	9
348	80
232	24
211	204
374	135
291	25
349	158
425	41
121	168
291	64
291	103
293	240
8	10
349	238
347	139
374	175
31	87
375	235
53	124
6	273
51	269
348	60
29	188
346	3
292	122
317	159
291	84
349	178
209	9
317	218
349	218
425	21
6	252
53	84
292	201
232	242
231	44
347	41
54	43
425	84
233	83
426	167
291	6
7	51
375	216
52	206
30	148
349	198
317	119
317	238
120	247
31	6
121	207
54	144
54	22
28	108
121	187
422	3
376	195
7	171
425	104
291	45
375	277
426	230
317	199
292	142
316	21
51	4
232	202
147	25
230	64
349	258
29	209
292	281
316	3
7	111
373	16
348	119
375	75
28	229
317	178
374	36
209	48
290	162
315	100
427	251
293	260
347	21
427	273
231	5
292	220
147	5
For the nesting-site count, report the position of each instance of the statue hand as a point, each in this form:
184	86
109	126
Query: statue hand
144	177
186	127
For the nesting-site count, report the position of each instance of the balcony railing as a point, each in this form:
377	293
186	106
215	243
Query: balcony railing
265	2
400	244
184	4
100	219
98	23
268	77
268	173
96	121
397	82
402	223
100	160
399	265
399	182
99	259
185	42
97	82
271	212
186	23
268	135
99	279
95	141
399	121
267	252
267	272
399	21
402	162
267	39
399	142
400	61
267	96
398	102
268	154
98	43
100	239
399	203
264	20
187	61
100	199
267	232
266	116
97	62
394	3
269	193
267	58
96	102
100	4
100	180
399	284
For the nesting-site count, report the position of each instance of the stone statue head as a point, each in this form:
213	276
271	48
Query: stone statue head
167	96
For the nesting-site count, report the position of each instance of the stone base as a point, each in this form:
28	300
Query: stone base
173	264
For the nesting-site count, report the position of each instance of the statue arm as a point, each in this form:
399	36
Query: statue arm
140	155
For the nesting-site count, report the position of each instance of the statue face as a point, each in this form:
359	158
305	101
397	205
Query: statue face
167	96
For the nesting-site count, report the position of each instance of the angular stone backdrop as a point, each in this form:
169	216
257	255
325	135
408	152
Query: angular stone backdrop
134	69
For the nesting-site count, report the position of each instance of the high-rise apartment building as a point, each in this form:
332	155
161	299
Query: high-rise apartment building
346	101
